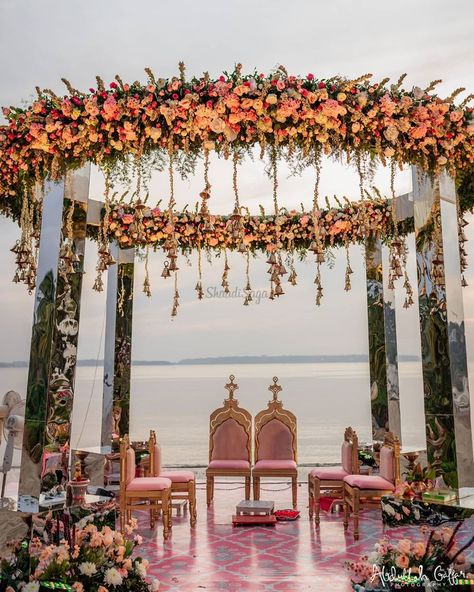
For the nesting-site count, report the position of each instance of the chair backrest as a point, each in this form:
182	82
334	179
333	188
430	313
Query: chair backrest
127	464
230	429
390	458
350	452
155	458
275	430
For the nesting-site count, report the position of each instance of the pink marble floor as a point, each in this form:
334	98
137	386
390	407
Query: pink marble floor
290	557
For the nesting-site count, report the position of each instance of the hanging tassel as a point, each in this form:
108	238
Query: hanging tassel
198	288
105	259
225	282
146	282
248	289
174	310
349	271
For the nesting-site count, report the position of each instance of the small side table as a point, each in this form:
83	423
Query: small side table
253	512
255	507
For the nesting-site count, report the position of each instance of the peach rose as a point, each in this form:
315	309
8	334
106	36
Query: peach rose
271	99
402	561
404	546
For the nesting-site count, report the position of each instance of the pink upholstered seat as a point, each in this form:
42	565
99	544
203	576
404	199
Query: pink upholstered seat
229	464
369	482
329	473
178	476
230	442
148	484
275	464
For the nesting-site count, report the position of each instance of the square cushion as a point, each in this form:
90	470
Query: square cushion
329	473
275	464
369	482
149	484
179	476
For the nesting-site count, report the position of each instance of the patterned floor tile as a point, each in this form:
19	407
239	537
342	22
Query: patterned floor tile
290	557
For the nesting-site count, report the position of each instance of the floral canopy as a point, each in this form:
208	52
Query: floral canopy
129	130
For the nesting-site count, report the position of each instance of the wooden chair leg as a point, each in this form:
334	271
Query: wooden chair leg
256	488
317	499
152	515
209	490
247	488
294	491
192	502
345	495
356	508
123	510
310	496
165	506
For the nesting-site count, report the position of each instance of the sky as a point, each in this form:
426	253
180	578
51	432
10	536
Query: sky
40	42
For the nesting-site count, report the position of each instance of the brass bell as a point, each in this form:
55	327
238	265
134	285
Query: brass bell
166	271
278	290
272	259
282	269
173	266
242	247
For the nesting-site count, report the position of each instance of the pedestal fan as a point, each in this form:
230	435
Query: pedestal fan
12	416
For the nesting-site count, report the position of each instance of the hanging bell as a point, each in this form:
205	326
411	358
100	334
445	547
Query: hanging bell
314	246
278	290
320	257
242	247
166	271
464	284
272	259
282	269
246	301
173	266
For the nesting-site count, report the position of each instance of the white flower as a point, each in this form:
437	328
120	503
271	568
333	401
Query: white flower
141	569
155	585
373	558
88	568
31	587
112	577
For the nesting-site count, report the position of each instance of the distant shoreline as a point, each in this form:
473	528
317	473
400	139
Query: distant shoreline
322	359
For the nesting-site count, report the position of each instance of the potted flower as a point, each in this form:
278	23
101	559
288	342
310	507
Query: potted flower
421	479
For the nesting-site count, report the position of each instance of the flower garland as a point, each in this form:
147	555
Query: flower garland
302	114
288	231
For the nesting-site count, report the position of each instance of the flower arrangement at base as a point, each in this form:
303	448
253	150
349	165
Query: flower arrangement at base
436	563
99	560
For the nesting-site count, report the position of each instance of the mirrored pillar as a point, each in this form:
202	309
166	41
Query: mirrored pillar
443	345
383	358
118	346
51	376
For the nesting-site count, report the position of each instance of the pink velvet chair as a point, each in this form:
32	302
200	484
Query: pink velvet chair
275	444
137	493
183	483
332	478
230	437
365	489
